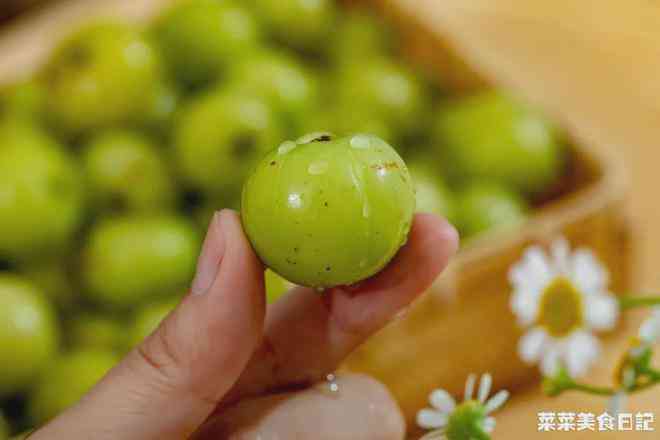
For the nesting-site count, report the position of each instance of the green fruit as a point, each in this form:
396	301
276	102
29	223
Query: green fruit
276	286
303	24
130	260
221	136
483	207
384	90
93	332
162	110
288	85
28	333
147	320
361	36
343	121
67	380
40	193
200	38
490	136
431	192
324	212
54	280
23	99
104	75
125	172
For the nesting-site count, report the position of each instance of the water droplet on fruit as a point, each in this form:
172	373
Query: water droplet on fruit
366	210
294	200
318	167
286	147
361	141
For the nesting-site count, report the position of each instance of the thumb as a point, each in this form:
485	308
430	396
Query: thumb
170	384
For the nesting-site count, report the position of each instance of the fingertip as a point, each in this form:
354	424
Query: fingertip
437	230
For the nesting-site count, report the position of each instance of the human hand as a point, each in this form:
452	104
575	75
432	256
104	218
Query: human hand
224	365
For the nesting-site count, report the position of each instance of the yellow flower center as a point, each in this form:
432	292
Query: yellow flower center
561	308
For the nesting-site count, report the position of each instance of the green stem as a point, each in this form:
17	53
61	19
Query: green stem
600	391
631	302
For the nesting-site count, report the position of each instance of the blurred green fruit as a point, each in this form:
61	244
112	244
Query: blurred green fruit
303	24
324	212
382	89
431	192
125	172
28	334
130	260
199	38
288	85
361	36
276	286
163	107
23	99
54	280
104	75
341	121
484	207
91	332
221	136
40	193
67	379
491	136
147	320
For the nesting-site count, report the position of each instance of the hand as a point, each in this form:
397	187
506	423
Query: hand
223	365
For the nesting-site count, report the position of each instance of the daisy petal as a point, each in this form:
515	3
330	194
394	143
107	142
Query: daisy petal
538	265
561	252
601	311
489	424
431	419
524	304
550	361
496	401
469	387
580	352
442	401
484	387
531	345
590	276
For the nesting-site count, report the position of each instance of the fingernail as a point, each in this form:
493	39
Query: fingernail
208	263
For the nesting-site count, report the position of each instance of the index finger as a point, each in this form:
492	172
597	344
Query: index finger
307	334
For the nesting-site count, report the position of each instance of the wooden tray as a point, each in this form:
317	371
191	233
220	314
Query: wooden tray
463	324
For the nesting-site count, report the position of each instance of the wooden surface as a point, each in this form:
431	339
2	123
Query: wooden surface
596	65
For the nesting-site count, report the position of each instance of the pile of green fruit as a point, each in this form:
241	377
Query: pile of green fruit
115	155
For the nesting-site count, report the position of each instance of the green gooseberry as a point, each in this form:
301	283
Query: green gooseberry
431	192
94	331
323	212
23	99
130	260
54	279
301	24
147	320
494	137
488	206
69	377
283	80
361	36
276	286
41	206
126	173
104	75
343	121
163	107
28	336
200	38
385	89
220	136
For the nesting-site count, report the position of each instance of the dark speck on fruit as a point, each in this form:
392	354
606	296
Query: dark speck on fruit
273	163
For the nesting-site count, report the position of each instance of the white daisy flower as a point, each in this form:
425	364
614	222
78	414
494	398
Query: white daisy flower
562	298
649	331
453	421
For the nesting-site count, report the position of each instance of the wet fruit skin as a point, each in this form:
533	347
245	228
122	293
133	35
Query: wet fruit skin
491	136
67	379
104	75
29	335
200	38
126	173
134	259
488	206
221	136
38	180
323	212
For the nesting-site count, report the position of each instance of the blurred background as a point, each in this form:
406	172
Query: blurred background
125	124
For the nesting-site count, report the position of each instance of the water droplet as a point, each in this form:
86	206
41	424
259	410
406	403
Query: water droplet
286	147
294	200
366	210
361	141
318	167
